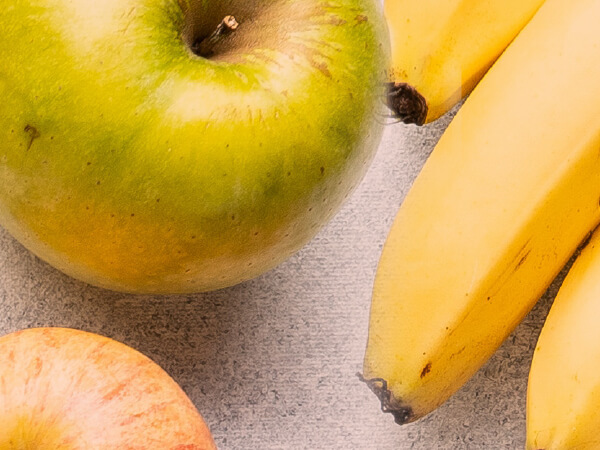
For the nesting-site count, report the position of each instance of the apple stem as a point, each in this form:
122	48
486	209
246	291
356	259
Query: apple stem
205	46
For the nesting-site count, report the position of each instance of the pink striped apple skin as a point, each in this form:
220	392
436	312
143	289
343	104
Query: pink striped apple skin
68	389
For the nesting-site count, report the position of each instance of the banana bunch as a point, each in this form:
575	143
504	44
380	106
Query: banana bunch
441	49
507	196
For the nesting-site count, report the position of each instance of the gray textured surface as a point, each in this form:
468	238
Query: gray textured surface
271	363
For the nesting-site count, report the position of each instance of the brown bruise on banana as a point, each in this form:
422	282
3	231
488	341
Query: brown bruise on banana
426	370
522	260
402	413
586	240
517	263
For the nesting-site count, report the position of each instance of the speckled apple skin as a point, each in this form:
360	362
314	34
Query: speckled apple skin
68	389
131	163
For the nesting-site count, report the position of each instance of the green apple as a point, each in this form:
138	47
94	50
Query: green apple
72	390
146	147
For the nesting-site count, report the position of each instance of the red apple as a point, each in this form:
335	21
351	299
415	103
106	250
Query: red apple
68	389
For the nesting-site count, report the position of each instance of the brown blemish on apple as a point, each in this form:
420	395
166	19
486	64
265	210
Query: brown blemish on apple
335	20
321	66
33	134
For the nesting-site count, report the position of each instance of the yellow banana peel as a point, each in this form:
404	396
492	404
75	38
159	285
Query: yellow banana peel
563	400
507	195
441	49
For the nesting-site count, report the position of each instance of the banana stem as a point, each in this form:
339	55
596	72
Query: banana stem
406	103
402	413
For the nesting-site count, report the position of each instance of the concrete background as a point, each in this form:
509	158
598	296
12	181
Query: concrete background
272	363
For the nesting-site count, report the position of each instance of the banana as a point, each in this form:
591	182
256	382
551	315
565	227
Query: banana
505	198
441	49
563	399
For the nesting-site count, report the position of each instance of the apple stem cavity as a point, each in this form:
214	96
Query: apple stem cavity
205	47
